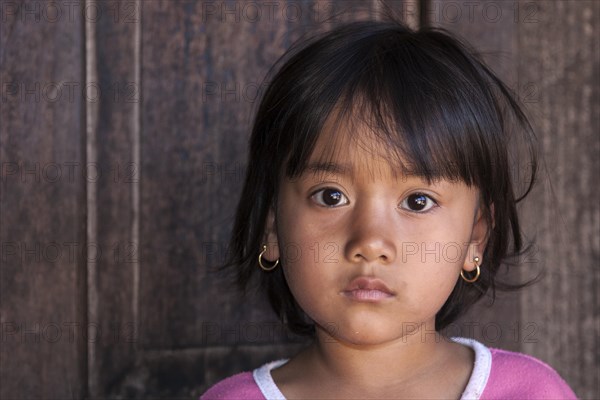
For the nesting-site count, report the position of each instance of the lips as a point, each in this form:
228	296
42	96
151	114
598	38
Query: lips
367	289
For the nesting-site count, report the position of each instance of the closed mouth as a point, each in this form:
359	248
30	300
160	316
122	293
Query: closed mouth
367	289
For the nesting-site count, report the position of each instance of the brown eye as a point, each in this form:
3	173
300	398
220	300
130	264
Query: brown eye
330	197
418	202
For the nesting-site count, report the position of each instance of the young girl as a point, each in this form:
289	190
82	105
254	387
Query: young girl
378	207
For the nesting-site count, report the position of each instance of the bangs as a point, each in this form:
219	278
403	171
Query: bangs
433	118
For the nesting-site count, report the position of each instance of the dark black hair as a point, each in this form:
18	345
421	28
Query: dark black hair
429	96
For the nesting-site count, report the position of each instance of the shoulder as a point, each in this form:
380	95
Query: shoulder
240	386
516	375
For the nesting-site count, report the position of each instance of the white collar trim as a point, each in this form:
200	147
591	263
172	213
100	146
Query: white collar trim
481	368
264	380
475	386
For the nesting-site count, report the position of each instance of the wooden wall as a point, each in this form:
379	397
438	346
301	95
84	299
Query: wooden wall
123	129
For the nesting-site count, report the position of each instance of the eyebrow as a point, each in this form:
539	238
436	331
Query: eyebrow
330	167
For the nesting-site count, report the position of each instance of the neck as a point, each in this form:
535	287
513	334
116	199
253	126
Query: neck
401	362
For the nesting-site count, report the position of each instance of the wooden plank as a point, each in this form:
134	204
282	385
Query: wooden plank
559	53
182	200
42	203
113	62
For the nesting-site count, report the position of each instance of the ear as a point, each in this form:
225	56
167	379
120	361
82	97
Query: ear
270	237
479	237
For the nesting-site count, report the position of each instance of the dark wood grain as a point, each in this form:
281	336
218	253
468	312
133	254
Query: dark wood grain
184	206
42	212
559	54
112	289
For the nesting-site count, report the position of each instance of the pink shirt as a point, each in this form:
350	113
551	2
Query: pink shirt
497	374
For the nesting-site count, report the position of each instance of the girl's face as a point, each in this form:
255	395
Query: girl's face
352	218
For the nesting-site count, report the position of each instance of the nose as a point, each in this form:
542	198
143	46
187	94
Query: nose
371	235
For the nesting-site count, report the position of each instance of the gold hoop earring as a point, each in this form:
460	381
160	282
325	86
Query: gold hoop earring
462	275
260	260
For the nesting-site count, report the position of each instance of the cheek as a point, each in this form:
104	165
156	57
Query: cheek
442	245
307	288
312	281
432	261
444	283
306	241
307	266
